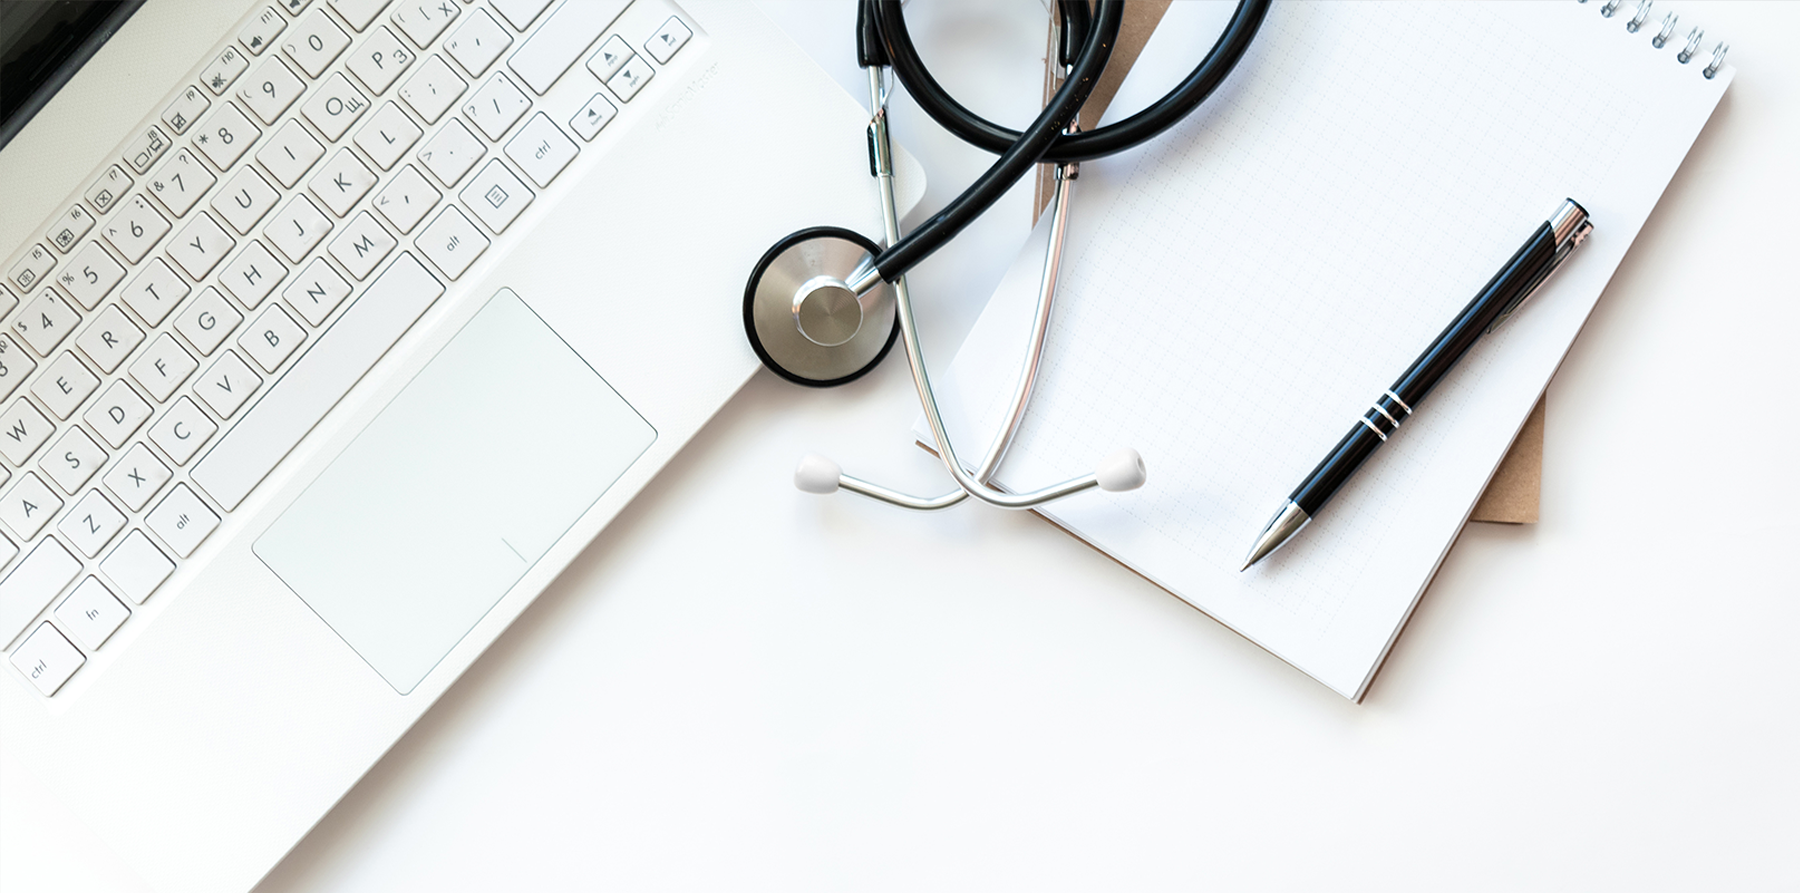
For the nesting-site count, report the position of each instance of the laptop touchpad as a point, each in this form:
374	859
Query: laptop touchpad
458	487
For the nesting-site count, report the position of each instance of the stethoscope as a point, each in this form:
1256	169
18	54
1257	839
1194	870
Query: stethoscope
825	305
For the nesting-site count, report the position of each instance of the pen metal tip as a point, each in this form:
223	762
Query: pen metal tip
1280	528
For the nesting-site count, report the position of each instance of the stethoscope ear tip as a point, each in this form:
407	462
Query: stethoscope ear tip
817	474
1123	470
848	344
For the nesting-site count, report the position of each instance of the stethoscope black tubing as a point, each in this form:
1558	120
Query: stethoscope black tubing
1018	156
1233	42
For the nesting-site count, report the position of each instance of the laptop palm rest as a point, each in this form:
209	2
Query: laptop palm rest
454	490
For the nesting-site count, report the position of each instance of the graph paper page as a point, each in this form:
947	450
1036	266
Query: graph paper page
1236	293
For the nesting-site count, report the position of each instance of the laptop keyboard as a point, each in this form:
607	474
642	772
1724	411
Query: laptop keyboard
214	290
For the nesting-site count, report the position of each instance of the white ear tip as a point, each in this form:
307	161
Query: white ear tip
1123	470
817	474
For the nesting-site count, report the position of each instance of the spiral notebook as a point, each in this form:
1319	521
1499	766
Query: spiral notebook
1236	292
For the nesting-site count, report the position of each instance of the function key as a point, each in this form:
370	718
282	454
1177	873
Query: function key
32	268
69	228
224	70
108	189
143	151
261	31
186	107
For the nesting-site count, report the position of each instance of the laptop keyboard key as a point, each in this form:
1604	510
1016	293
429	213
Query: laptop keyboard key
316	291
432	89
388	135
227	385
569	31
45	321
335	107
162	367
452	152
182	521
136	566
91	524
380	60
477	43
64	384
155	292
541	150
314	42
92	613
496	196
245	199
451	242
136	230
27	508
257	35
91	275
342	182
296	228
136	478
271	338
496	106
289	153
47	659
181	182
270	89
117	415
224	136
182	431
15	366
359	13
424	20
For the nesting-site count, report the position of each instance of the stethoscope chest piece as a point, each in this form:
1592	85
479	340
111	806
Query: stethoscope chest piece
804	322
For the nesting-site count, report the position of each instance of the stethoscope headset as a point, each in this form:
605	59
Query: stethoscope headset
824	305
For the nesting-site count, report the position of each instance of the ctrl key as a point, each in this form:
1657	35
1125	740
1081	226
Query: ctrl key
47	659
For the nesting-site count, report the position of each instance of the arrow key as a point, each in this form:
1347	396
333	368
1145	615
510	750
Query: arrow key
593	116
672	36
612	57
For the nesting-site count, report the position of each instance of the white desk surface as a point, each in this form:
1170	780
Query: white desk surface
742	687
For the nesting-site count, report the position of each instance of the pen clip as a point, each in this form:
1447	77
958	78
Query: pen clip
1562	254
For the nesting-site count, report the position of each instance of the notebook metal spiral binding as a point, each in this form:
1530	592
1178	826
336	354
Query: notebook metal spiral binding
1661	39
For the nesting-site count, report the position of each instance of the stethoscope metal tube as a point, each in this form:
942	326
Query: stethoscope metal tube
1122	471
815	303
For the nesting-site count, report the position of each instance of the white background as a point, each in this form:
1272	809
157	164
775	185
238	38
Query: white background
742	687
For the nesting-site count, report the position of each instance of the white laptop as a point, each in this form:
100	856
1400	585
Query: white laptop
334	330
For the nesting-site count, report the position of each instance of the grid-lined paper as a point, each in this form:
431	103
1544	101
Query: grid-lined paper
1234	302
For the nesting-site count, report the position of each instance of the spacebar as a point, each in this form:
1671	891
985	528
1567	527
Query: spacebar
317	381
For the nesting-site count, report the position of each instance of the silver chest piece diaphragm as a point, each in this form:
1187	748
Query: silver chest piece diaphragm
803	321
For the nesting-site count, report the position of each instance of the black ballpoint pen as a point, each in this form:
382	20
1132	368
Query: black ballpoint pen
1547	248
